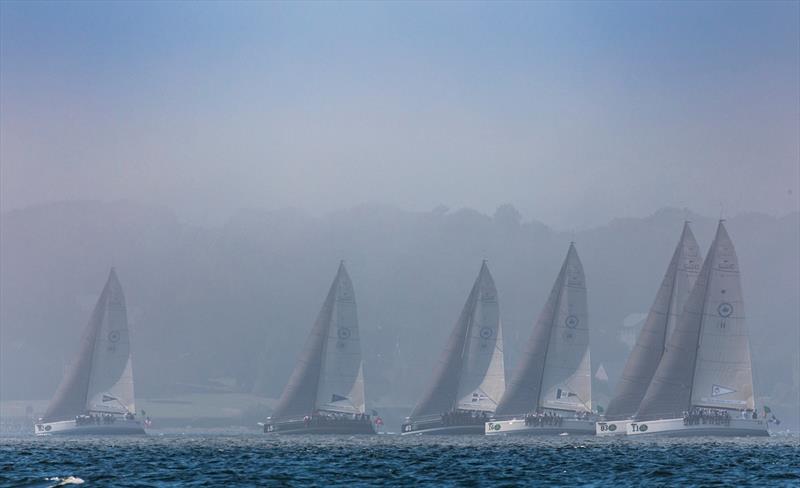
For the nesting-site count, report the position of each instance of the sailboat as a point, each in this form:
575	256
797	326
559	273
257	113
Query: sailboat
325	393
96	394
551	390
471	377
704	382
649	348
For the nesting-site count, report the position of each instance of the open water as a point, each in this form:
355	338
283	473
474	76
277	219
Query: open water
387	460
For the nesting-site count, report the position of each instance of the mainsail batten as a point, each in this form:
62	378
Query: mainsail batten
555	371
707	359
649	348
101	377
471	375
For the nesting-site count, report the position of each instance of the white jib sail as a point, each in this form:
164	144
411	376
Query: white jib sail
723	373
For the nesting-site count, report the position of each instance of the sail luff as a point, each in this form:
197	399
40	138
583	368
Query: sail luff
649	348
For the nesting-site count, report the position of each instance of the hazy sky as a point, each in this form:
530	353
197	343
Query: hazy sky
573	112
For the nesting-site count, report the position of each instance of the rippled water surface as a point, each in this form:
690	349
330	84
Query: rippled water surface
255	459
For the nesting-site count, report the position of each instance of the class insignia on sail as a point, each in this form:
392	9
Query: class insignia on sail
703	384
470	379
550	392
96	394
325	392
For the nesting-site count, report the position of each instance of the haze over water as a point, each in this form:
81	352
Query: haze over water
224	157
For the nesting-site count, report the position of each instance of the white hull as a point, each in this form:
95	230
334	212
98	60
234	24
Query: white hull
518	427
612	427
676	428
69	427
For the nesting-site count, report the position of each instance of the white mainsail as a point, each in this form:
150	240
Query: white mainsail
329	372
101	377
723	374
555	371
567	377
471	374
341	384
111	378
482	381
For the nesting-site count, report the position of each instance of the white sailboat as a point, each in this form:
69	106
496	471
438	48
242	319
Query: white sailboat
704	382
96	394
649	348
325	393
551	391
471	378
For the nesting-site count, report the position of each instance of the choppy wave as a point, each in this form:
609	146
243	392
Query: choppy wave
69	480
250	459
